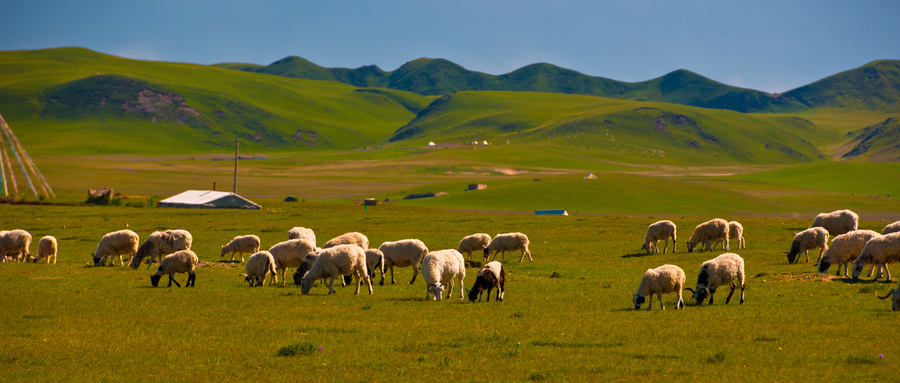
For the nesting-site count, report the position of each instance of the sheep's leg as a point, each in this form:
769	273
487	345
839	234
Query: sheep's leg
679	304
392	275
887	272
666	248
415	273
807	255
727	244
450	288
192	279
650	302
172	280
730	293
661	305
821	253
872	270
330	289
489	292
712	292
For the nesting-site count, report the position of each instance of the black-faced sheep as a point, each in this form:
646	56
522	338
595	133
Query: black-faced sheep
895	295
242	244
474	242
837	222
47	248
119	243
508	242
334	262
878	251
814	237
183	261
15	244
661	280
353	238
707	233
302	233
721	270
844	249
657	231
304	267
160	243
290	253
439	267
258	267
402	253
891	228
490	276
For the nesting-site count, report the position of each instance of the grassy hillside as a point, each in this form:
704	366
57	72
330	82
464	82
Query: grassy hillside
874	86
879	142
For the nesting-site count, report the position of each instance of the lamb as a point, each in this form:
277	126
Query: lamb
474	242
837	222
46	249
159	243
508	242
182	261
290	253
895	294
891	228
259	266
659	281
814	237
374	262
242	244
302	233
707	233
490	276
735	231
661	230
307	263
119	243
722	270
353	238
402	253
15	244
334	262
439	267
844	249
880	250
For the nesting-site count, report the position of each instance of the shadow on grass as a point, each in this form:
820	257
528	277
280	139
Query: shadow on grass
637	255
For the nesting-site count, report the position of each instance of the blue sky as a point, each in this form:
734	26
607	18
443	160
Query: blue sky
772	46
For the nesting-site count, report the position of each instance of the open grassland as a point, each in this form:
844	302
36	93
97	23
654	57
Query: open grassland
567	317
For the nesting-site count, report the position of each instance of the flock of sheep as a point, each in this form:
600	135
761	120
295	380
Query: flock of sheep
849	245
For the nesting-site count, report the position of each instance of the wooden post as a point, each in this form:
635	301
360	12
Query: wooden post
234	188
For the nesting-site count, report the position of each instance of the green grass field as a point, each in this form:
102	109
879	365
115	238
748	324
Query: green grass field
566	317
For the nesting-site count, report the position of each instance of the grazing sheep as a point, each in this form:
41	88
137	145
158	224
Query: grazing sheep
334	262
290	253
307	263
474	242
814	237
353	238
490	276
46	249
160	243
374	262
182	261
844	249
895	294
259	266
878	251
508	242
439	267
116	243
659	281
707	233
721	270
242	244
891	228
662	230
402	253
302	233
837	222
15	244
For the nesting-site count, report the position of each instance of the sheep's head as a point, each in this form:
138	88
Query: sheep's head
647	247
143	251
437	290
154	280
824	265
895	301
638	300
795	251
857	269
305	285
691	245
487	252
474	293
97	260
298	276
224	251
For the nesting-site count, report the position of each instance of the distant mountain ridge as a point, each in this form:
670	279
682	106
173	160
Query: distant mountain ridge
874	86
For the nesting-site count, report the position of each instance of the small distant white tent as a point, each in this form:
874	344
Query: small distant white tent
431	144
590	176
208	199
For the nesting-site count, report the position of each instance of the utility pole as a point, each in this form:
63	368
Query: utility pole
234	189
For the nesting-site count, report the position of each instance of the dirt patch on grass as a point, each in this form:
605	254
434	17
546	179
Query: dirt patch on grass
217	265
796	277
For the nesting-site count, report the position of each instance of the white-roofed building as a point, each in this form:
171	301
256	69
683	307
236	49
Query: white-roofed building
208	199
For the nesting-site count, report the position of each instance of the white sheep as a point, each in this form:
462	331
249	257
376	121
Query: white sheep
402	253
290	253
891	228
302	233
15	244
258	267
334	262
721	270
508	242
657	231
47	248
160	243
242	244
735	231
439	267
304	267
374	262
490	276
182	261
474	242
837	222
661	280
707	233
878	251
895	294
122	242
844	249
814	237
352	238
